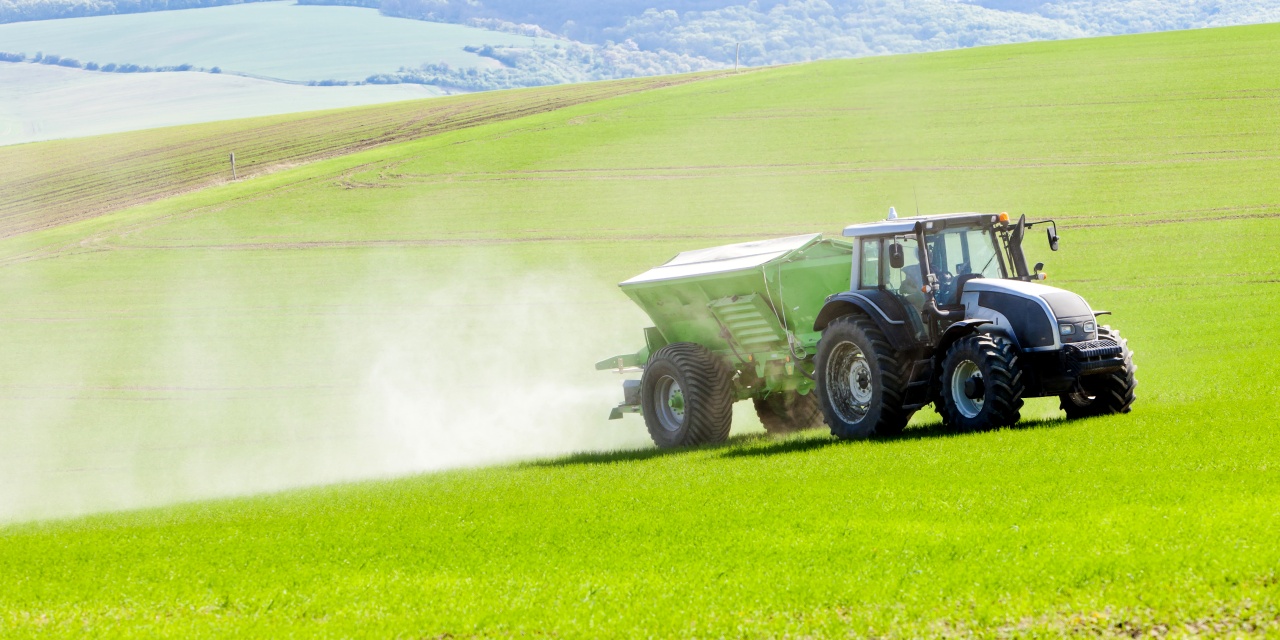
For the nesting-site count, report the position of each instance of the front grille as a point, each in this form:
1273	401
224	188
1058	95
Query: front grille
1095	356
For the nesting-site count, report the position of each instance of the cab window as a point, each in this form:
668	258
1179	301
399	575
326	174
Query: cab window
870	266
961	252
908	279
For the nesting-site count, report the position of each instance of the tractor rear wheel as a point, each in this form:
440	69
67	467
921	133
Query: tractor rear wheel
1104	393
784	412
981	383
686	395
861	380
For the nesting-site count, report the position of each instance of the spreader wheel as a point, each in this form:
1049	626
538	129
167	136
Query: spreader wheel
981	383
1104	393
788	411
686	394
860	380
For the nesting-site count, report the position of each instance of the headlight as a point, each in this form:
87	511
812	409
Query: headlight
1066	329
1089	327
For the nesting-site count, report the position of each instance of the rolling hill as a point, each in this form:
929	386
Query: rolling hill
272	40
265	51
435	301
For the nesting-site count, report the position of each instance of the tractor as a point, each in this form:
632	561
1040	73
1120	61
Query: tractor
863	332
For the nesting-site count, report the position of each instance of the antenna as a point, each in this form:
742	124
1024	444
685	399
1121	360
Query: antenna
916	192
893	214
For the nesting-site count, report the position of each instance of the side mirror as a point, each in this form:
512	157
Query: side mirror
1052	232
1039	267
896	257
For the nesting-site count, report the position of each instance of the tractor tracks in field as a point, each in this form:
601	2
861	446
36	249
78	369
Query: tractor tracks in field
300	245
52	184
770	170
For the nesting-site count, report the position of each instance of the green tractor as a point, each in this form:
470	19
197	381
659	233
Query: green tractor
861	333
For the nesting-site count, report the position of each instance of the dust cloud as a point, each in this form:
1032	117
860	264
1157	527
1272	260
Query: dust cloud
226	392
479	376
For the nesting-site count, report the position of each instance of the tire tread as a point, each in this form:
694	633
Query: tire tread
707	383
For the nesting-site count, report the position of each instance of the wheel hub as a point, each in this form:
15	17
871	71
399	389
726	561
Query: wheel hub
968	388
851	384
675	400
860	381
669	399
975	388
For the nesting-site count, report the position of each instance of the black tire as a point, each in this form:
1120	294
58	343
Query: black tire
981	383
690	376
786	412
1105	393
860	379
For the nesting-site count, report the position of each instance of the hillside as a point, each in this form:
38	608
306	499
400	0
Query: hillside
437	301
273	40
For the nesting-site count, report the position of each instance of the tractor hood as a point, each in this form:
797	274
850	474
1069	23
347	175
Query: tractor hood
1062	304
1033	313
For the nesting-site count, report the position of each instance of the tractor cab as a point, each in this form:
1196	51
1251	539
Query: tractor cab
924	262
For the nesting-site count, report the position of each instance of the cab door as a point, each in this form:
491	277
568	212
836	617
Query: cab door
894	286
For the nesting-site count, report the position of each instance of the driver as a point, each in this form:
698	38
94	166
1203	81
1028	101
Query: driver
938	267
911	285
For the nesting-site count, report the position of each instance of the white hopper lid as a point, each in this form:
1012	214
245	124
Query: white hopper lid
730	257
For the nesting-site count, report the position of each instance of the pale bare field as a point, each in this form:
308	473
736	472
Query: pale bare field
44	102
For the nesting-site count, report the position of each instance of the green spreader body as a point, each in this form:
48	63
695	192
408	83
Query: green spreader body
752	304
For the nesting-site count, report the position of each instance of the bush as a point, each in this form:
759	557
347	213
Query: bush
12	57
216	70
91	66
50	59
69	62
110	67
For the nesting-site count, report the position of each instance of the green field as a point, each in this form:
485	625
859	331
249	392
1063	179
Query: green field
437	301
276	40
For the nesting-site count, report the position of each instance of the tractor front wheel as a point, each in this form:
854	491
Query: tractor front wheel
981	383
1104	393
784	412
686	395
860	379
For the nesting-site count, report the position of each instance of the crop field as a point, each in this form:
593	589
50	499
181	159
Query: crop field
275	40
67	180
44	102
434	301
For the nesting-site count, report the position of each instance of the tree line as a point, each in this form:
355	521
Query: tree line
110	67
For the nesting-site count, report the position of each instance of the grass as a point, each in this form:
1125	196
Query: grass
274	40
1153	152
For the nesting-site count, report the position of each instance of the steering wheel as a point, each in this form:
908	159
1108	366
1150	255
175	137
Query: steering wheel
944	284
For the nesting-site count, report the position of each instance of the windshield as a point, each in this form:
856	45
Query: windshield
958	252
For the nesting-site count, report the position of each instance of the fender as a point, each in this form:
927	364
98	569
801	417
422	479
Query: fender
956	331
881	307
